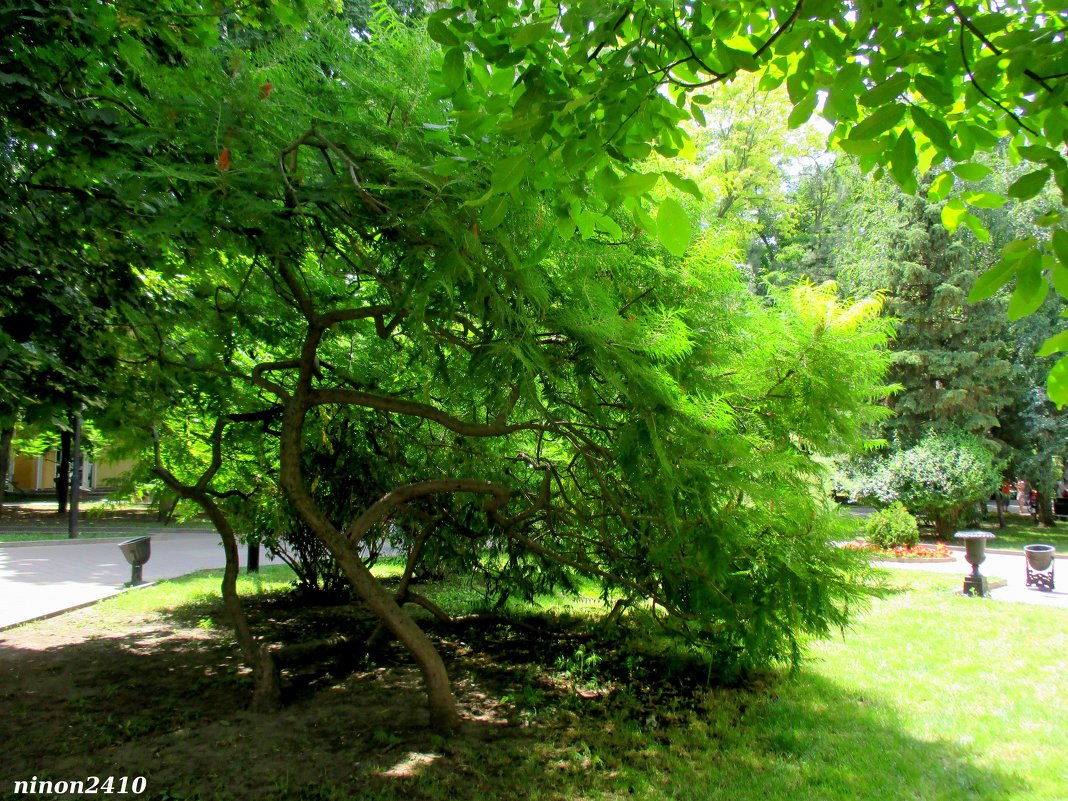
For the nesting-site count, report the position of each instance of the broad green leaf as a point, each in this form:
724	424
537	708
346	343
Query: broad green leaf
1059	274
1057	382
645	221
878	123
941	187
1060	245
637	184
903	161
1018	248
1031	288
673	227
494	212
1039	153
987	284
684	184
862	147
975	225
886	91
609	226
802	111
933	128
953	214
508	173
1055	344
438	31
1027	186
529	34
934	90
452	69
502	80
578	102
984	200
585	221
970	171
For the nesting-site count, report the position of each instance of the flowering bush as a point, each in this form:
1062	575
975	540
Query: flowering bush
918	551
943	478
892	527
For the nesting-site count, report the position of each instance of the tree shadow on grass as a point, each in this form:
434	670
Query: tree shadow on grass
813	740
167	702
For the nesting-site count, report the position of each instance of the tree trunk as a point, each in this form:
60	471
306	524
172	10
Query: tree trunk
6	435
444	716
75	476
63	471
266	692
1044	510
266	683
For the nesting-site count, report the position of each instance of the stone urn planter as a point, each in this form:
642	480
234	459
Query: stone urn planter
1040	566
975	555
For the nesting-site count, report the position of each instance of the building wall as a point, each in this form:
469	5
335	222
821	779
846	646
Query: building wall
24	473
108	473
39	473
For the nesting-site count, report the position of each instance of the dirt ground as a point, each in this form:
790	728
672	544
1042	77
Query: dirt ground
162	695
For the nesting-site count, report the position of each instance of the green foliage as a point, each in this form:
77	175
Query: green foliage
942	478
892	527
356	231
580	91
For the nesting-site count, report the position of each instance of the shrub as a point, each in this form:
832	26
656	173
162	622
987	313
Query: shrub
942	478
892	527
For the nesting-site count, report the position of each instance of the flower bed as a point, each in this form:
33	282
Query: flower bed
922	551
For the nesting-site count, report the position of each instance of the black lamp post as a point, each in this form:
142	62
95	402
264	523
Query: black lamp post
975	555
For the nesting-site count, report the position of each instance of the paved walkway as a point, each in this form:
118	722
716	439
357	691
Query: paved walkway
42	579
1008	566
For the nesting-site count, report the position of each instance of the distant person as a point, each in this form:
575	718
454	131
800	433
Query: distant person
1022	496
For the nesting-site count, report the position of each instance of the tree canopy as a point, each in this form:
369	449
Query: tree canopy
586	94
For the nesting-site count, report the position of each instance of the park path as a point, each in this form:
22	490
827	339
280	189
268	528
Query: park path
43	579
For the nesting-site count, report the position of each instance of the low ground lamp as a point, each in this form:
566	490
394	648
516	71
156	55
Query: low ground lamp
975	555
136	552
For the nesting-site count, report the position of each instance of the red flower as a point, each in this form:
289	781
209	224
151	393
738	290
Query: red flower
224	159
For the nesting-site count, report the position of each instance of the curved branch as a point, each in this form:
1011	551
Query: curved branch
380	509
386	403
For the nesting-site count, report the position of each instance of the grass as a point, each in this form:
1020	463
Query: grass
930	696
195	591
1018	532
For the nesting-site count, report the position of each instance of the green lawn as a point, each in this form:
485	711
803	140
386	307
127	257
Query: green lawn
931	696
1020	531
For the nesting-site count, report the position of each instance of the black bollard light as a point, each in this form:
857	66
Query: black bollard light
136	552
975	555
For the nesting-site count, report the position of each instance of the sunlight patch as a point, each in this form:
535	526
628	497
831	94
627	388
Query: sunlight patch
412	765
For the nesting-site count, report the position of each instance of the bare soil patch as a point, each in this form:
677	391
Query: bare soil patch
162	695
